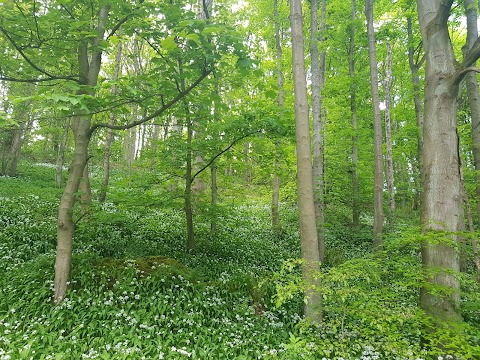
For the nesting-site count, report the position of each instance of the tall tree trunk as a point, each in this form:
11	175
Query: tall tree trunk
188	187
276	225
61	154
353	109
66	225
85	191
308	229
246	157
107	149
213	177
18	140
473	94
89	70
388	133
377	128
414	67
442	205
318	80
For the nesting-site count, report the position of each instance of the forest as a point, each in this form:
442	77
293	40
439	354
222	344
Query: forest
218	179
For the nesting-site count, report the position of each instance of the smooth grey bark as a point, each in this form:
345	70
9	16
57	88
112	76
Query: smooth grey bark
442	205
89	67
188	186
107	148
85	191
473	93
318	80
308	229
388	133
353	109
276	225
377	129
61	154
415	65
15	151
214	198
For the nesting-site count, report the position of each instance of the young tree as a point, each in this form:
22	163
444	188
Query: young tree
353	109
377	128
318	80
388	131
306	209
280	101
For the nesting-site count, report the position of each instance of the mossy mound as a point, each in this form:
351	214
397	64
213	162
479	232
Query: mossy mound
142	267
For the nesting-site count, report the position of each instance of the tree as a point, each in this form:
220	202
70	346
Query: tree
442	205
87	35
280	101
353	109
318	80
377	125
473	93
388	131
308	229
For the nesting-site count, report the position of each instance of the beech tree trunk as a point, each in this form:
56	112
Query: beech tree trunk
15	151
61	154
214	199
377	129
442	205
308	229
89	67
388	133
318	80
188	188
414	67
66	225
353	109
473	93
276	225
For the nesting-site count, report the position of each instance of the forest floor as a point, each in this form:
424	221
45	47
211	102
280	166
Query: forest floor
136	293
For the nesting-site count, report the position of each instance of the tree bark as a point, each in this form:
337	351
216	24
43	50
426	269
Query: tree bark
318	80
414	67
89	70
276	225
85	191
66	225
61	154
308	229
388	134
473	94
214	199
188	187
353	109
377	129
442	204
15	152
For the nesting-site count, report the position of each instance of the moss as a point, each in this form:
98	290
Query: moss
144	266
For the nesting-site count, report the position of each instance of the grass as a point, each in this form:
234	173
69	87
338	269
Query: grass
136	293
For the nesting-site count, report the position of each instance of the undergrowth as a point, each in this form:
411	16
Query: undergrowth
136	293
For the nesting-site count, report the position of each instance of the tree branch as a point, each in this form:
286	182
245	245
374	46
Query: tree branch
472	55
33	81
210	162
118	25
444	12
160	111
461	73
31	63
